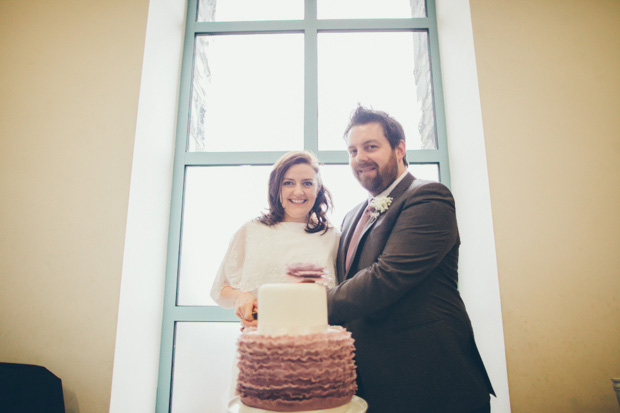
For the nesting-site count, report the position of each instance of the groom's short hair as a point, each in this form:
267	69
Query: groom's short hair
392	129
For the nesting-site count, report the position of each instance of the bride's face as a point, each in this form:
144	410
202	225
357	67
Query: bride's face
298	192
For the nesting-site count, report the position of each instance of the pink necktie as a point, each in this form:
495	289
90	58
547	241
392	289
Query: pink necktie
355	238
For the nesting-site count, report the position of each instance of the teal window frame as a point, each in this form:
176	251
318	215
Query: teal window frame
310	26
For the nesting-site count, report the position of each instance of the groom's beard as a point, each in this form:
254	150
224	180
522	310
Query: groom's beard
384	177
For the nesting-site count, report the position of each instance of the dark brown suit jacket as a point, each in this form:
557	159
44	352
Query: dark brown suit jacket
415	348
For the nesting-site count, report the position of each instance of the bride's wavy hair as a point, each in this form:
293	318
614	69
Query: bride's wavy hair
317	218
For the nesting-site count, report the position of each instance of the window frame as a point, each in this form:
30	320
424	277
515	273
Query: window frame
310	26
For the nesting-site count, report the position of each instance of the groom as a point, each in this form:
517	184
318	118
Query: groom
398	283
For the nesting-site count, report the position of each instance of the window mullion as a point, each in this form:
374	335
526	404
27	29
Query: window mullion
414	156
311	105
174	228
265	26
204	313
373	24
232	158
440	117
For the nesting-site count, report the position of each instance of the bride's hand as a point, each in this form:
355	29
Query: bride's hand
244	306
254	321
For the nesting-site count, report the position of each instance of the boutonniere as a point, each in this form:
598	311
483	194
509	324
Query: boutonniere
380	205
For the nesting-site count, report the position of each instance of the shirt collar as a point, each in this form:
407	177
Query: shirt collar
387	190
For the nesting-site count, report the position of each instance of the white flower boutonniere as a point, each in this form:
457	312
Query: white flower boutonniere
380	205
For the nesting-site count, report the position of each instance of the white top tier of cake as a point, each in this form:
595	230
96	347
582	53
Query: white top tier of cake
299	308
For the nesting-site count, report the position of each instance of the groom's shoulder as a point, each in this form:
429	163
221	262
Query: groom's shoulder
428	190
427	185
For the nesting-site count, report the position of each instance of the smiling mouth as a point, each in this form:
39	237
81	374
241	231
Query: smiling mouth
365	170
297	201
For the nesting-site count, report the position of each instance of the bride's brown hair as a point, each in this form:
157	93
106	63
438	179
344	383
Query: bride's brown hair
317	219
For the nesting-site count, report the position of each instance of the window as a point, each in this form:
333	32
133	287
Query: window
260	79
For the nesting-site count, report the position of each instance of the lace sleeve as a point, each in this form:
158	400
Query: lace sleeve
231	268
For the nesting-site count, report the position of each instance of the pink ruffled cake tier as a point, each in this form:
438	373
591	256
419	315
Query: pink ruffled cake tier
291	373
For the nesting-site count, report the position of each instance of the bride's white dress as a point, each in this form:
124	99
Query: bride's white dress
258	254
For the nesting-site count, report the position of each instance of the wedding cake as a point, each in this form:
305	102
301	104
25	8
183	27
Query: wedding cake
293	361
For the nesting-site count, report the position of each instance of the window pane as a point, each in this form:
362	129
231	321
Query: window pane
387	71
247	93
429	172
346	191
203	366
236	193
370	9
240	10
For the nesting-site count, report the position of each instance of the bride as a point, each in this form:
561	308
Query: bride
294	229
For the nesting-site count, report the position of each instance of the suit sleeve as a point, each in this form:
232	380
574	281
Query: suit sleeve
423	233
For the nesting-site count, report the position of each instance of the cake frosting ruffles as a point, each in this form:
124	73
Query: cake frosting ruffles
293	373
294	361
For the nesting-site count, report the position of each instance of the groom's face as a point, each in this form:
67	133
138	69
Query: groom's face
373	161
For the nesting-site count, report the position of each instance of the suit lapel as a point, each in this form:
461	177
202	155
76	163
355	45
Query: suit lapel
348	230
402	186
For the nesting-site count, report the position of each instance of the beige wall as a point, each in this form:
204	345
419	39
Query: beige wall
549	74
69	82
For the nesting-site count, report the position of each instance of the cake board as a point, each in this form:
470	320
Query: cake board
356	405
